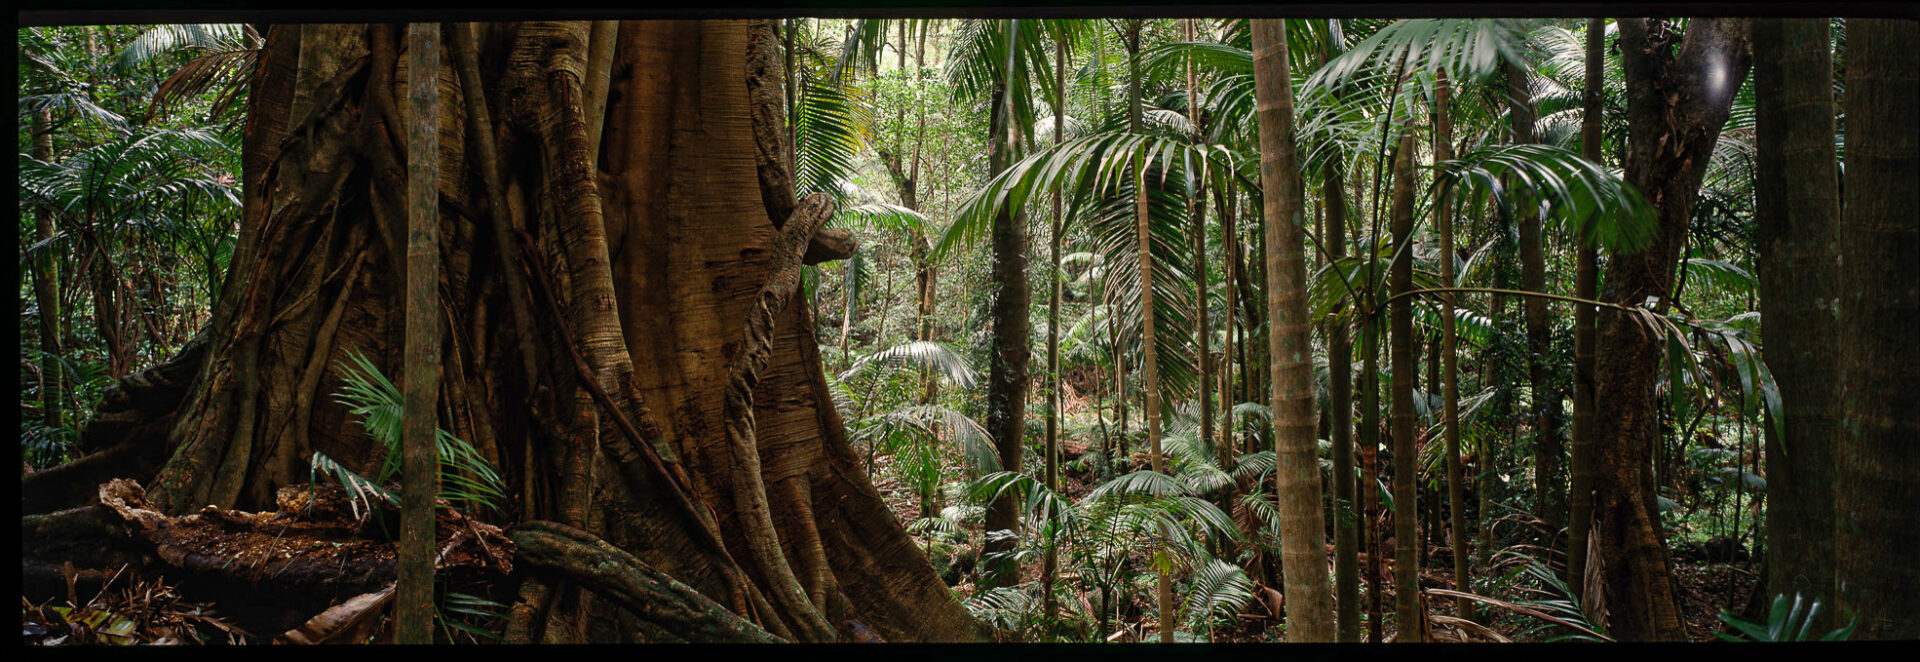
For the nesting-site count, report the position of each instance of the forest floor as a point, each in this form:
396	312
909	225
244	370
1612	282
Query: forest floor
1704	588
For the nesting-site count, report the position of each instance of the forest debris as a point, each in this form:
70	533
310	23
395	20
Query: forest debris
1467	629
321	501
1520	610
142	613
350	622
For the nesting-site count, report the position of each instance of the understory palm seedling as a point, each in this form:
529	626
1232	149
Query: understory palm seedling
465	477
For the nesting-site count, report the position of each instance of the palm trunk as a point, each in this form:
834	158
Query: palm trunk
1346	519
1797	205
1197	205
1007	373
1229	244
1879	458
1548	497
1149	359
46	288
413	597
1297	464
1049	564
1586	275
1450	356
1408	615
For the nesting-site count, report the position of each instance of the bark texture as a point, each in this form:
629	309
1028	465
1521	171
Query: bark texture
660	395
1296	452
1879	459
1586	272
1679	91
1406	557
1797	196
1007	371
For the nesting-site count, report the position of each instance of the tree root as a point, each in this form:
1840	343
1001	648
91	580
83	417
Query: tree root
743	373
650	594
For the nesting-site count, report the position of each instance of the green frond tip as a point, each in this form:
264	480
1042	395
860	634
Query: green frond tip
465	476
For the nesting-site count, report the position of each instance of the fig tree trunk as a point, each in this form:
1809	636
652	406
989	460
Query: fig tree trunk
1680	89
618	339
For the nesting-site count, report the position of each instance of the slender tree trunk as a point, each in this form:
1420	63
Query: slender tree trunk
1197	205
1296	452
46	288
1049	565
1346	517
1677	102
1149	354
1450	354
1586	276
1548	497
1879	459
1797	205
1408	615
1007	373
419	470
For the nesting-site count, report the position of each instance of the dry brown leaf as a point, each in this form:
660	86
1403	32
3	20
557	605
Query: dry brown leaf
347	622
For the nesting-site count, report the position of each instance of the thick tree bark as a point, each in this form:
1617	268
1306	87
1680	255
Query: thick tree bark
1297	462
1797	205
1678	99
651	272
1879	459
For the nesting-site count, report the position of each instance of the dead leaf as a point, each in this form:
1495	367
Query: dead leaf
347	622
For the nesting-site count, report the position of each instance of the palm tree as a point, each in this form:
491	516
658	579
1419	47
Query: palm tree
1297	474
1409	616
1797	206
1878	459
1586	276
420	376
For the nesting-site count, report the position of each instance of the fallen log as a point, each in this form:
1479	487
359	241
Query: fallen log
269	570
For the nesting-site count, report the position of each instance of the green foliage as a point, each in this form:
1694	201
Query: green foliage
1785	622
464	477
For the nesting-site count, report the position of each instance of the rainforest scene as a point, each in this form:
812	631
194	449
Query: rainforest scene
970	330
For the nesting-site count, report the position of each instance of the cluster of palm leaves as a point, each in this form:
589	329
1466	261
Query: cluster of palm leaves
465	477
129	198
1361	84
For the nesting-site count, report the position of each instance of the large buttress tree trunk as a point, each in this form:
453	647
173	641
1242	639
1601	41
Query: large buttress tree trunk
1679	92
618	340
